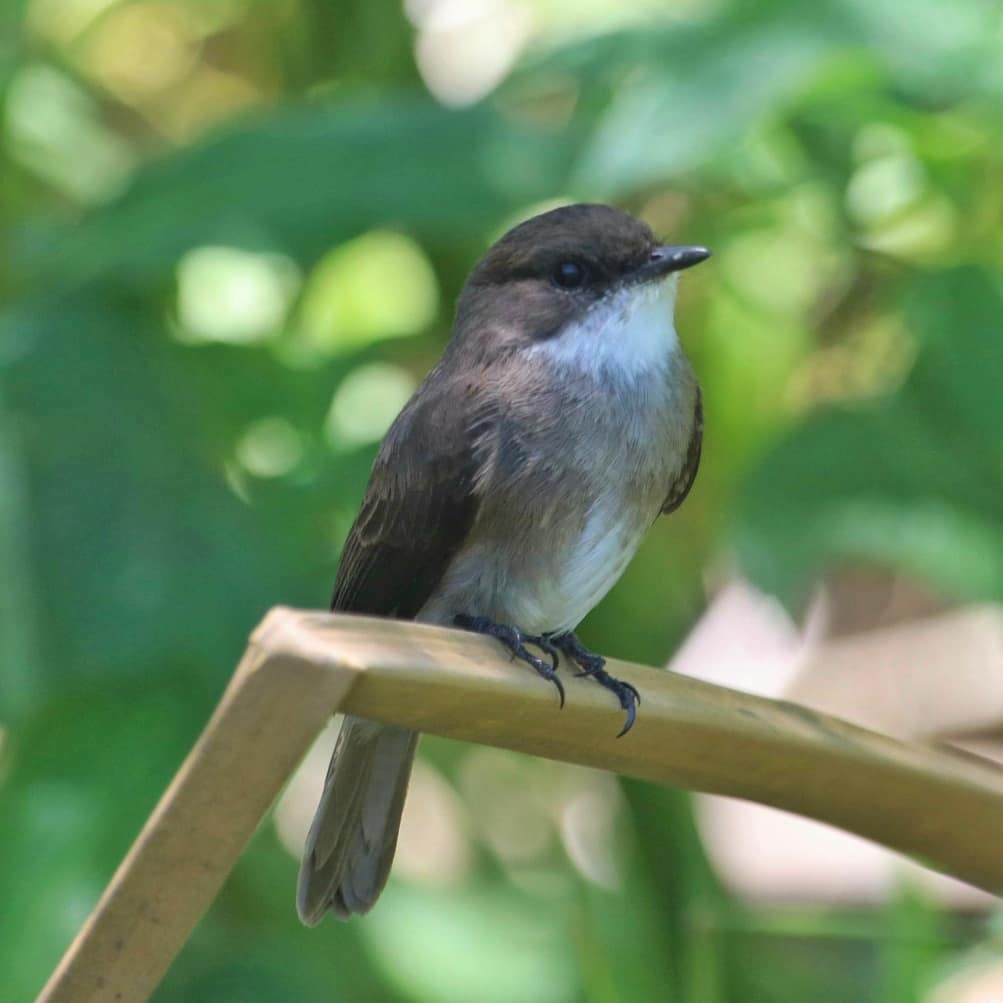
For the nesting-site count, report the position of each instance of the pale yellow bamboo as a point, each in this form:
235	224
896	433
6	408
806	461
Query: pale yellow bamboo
943	808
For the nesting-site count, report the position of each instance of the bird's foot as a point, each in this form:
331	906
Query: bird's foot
515	641
594	666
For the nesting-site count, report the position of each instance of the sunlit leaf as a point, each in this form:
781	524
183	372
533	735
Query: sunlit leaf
378	286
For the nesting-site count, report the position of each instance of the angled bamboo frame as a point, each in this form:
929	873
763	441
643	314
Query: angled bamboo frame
941	807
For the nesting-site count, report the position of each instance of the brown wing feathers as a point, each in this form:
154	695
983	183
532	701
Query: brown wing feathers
418	510
680	487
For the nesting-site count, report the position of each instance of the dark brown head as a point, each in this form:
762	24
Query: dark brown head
549	271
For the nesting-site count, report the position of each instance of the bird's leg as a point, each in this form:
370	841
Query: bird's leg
515	640
594	666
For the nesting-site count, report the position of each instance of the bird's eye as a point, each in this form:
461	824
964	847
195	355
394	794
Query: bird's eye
569	275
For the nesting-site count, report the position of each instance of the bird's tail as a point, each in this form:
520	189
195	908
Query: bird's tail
351	842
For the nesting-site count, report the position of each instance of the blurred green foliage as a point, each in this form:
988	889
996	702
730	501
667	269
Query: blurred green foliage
202	206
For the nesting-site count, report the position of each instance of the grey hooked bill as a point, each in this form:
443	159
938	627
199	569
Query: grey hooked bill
680	256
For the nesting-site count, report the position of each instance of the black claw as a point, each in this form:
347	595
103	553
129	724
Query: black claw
627	695
560	687
548	672
593	665
553	645
515	641
630	699
545	644
629	723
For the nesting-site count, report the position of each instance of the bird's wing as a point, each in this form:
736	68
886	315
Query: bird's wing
418	509
683	481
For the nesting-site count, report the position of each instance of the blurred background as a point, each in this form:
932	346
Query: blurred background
232	235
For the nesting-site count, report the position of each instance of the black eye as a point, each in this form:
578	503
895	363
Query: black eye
569	275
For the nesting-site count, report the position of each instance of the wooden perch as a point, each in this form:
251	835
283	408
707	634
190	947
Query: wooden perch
944	808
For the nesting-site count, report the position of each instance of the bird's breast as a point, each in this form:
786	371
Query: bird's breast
546	575
585	568
571	479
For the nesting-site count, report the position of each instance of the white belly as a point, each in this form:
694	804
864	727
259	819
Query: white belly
588	570
542	596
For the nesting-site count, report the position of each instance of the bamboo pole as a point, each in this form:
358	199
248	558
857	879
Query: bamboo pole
944	808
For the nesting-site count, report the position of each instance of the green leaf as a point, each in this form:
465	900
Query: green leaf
306	177
915	482
141	553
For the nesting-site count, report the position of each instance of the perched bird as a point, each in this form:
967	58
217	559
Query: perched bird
513	489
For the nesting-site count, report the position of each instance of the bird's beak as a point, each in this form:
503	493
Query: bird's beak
670	258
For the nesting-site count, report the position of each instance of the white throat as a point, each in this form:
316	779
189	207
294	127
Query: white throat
628	334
